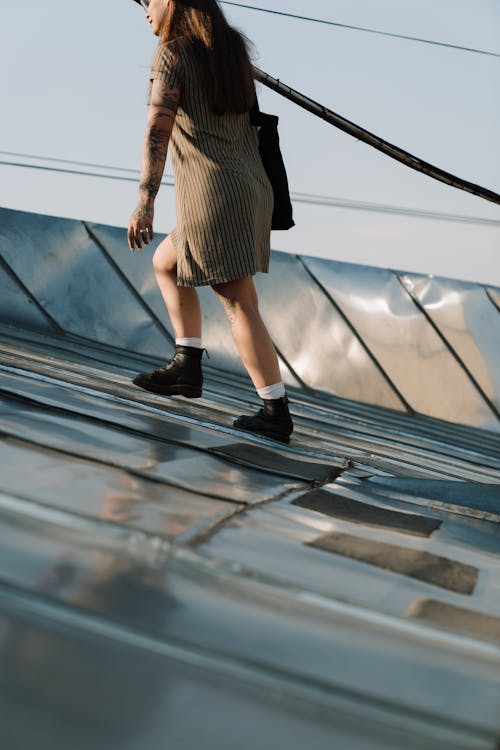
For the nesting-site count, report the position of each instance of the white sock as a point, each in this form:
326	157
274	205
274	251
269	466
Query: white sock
189	342
274	391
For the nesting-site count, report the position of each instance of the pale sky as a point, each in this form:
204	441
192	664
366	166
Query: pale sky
74	80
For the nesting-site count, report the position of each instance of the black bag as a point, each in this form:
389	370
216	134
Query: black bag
269	147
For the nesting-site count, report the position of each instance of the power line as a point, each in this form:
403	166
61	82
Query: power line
419	213
78	172
70	161
306	198
361	28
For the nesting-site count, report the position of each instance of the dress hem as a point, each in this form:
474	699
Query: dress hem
215	281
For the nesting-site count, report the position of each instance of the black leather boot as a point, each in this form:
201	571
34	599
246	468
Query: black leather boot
272	421
181	376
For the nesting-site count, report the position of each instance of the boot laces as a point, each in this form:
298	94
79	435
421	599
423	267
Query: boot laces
164	368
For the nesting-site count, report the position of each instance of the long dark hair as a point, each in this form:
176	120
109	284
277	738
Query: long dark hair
223	52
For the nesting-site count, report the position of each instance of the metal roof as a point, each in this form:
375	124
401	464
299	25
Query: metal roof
165	578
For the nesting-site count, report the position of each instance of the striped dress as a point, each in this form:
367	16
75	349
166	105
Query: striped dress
224	201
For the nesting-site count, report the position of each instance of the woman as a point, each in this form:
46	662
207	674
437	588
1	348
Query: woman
201	92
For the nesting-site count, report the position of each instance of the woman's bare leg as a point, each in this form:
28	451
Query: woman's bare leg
182	303
250	334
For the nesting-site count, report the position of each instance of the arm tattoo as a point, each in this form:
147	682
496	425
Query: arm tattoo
153	162
163	108
156	144
164	97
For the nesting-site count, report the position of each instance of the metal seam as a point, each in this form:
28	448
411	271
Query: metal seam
10	272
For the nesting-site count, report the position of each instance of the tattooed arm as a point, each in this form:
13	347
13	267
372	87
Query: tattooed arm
162	110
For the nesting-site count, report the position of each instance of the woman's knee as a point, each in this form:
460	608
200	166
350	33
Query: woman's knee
165	257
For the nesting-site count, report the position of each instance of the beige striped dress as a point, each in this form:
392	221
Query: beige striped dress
224	201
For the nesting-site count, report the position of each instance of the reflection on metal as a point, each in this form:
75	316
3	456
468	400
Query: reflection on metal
320	346
470	324
145	536
337	506
430	376
66	272
433	569
461	619
17	305
105	492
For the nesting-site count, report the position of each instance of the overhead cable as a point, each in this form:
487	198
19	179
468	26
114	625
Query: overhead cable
306	198
373	140
418	213
361	28
78	172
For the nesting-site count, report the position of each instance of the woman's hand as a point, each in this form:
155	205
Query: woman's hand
140	228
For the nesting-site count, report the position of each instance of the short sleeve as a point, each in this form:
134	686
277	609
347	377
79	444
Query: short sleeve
166	65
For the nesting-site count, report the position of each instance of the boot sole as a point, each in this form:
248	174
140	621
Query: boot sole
188	391
271	435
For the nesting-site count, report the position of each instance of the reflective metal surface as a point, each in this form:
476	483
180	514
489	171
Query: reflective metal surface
315	339
103	492
16	306
407	347
67	273
194	696
164	579
468	321
172	464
